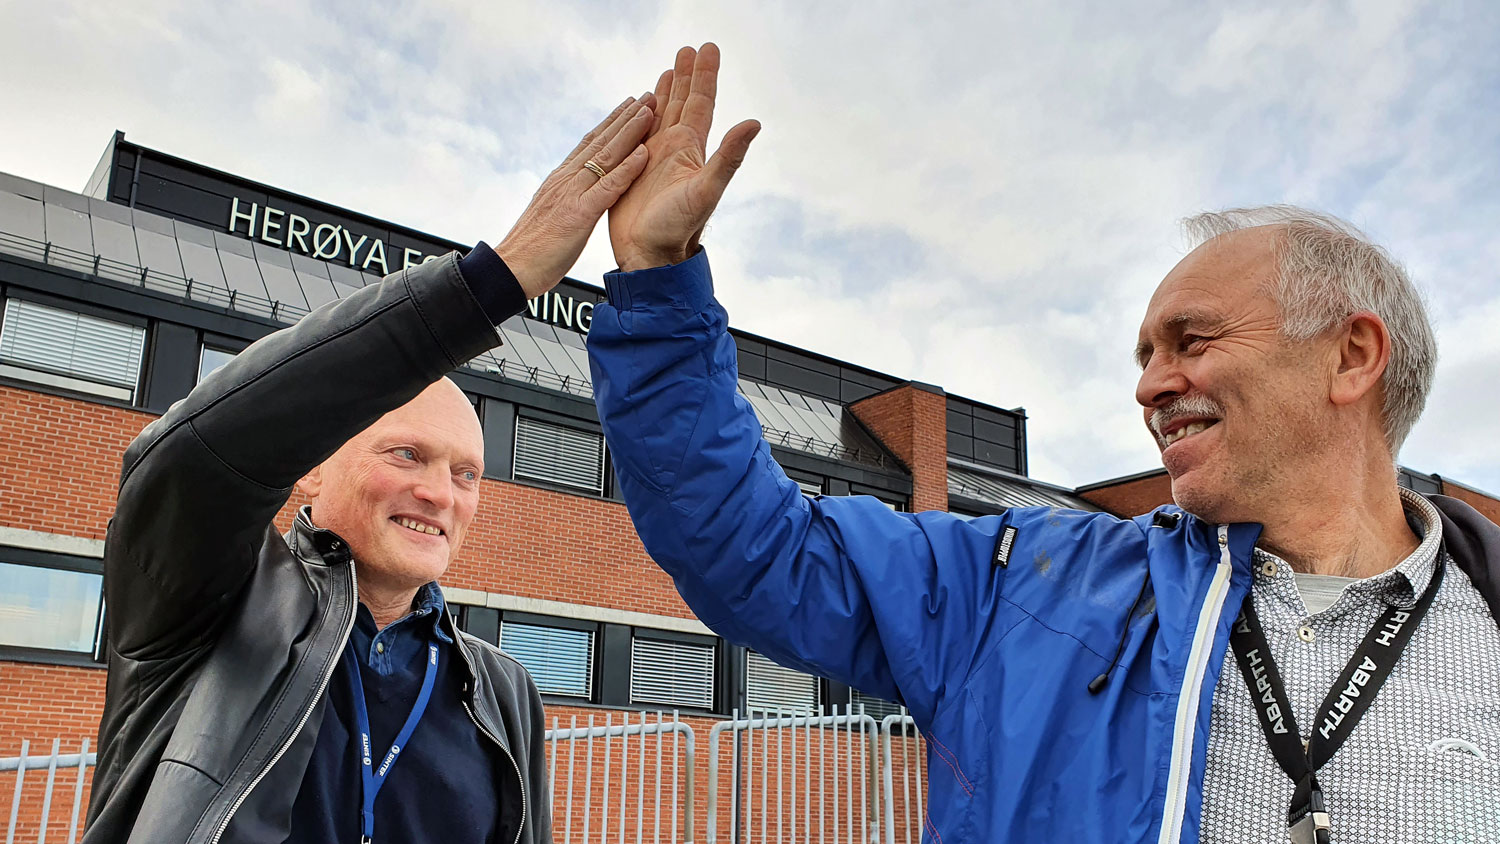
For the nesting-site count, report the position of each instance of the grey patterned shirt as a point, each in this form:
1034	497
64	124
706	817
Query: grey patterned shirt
1423	765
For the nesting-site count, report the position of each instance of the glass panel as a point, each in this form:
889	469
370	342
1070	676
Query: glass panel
312	274
22	216
115	241
49	608
559	660
159	252
69	229
557	355
276	270
773	688
240	268
559	454
211	360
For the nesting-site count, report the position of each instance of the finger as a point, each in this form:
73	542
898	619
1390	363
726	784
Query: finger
730	155
663	93
594	132
603	138
682	83
604	194
626	139
698	110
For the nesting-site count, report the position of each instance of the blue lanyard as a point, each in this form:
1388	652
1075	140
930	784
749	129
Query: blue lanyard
371	777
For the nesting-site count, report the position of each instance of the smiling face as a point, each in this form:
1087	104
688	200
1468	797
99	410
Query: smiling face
1236	409
403	492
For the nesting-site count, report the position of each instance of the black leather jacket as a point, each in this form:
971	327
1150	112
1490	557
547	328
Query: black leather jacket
222	633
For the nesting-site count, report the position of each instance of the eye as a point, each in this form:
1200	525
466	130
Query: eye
1191	341
470	475
405	453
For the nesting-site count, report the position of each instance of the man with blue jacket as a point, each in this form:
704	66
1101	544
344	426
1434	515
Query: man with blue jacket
1301	649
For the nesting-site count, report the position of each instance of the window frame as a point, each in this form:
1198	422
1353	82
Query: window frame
34	558
716	679
593	628
558	420
72	384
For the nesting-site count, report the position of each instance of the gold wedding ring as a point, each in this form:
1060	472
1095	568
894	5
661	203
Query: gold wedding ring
593	167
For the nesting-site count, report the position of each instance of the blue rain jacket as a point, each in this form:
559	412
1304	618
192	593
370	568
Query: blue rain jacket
992	656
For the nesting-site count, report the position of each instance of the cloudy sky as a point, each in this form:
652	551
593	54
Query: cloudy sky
977	195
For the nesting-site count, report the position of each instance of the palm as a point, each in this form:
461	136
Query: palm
661	217
670	197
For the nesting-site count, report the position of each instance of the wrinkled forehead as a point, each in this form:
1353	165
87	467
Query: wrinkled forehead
1225	276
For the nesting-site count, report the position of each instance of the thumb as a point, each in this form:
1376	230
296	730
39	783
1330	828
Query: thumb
730	155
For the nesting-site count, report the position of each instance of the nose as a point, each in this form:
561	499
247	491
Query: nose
436	486
1161	381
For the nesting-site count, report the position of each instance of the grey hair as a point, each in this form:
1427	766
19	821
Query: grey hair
1326	271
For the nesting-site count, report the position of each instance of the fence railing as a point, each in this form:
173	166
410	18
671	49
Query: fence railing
626	790
836	778
52	763
828	778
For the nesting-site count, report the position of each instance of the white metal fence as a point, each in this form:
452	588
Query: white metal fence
55	762
840	777
829	778
618	779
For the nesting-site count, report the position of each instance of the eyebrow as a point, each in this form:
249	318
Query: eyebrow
1189	316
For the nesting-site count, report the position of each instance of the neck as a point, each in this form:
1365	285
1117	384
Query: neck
386	603
1332	524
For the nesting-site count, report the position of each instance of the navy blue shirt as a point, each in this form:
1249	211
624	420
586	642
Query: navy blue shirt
445	786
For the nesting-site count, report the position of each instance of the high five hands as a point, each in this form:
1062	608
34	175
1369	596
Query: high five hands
659	193
661	218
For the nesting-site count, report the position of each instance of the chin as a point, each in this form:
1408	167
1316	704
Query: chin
1201	500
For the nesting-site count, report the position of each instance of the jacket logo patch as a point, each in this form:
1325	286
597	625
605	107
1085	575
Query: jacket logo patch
1003	546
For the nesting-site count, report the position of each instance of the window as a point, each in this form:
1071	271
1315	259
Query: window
50	608
774	688
559	454
810	487
70	350
560	661
211	360
875	707
672	673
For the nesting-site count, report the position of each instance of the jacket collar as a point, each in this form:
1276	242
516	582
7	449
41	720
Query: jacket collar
1474	544
313	544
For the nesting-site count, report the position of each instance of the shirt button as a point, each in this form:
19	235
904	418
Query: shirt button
380	647
1268	568
1306	633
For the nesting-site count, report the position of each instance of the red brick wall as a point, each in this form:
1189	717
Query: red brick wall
1134	497
912	422
59	473
1486	505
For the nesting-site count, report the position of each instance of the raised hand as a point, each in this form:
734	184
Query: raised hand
552	231
661	218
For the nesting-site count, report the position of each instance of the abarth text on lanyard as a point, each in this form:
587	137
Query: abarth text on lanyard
373	778
1307	818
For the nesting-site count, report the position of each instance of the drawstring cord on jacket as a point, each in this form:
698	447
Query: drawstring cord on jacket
1098	683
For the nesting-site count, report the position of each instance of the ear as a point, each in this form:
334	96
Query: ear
1364	351
311	483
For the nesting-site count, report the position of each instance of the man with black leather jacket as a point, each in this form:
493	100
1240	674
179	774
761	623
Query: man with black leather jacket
310	686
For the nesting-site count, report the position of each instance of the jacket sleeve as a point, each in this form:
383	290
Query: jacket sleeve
200	485
841	587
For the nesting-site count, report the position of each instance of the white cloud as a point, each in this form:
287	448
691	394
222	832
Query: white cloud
980	196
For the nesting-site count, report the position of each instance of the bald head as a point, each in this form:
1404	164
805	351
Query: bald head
403	492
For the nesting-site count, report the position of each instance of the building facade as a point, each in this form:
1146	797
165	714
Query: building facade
118	299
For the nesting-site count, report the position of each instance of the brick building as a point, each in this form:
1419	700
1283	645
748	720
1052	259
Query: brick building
118	299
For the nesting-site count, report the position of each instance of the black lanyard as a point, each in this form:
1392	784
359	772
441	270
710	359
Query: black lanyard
1351	695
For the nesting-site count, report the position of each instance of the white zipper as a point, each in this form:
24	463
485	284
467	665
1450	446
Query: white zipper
332	667
508	755
1192	692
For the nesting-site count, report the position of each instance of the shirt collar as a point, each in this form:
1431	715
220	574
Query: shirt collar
426	613
1419	567
1407	580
